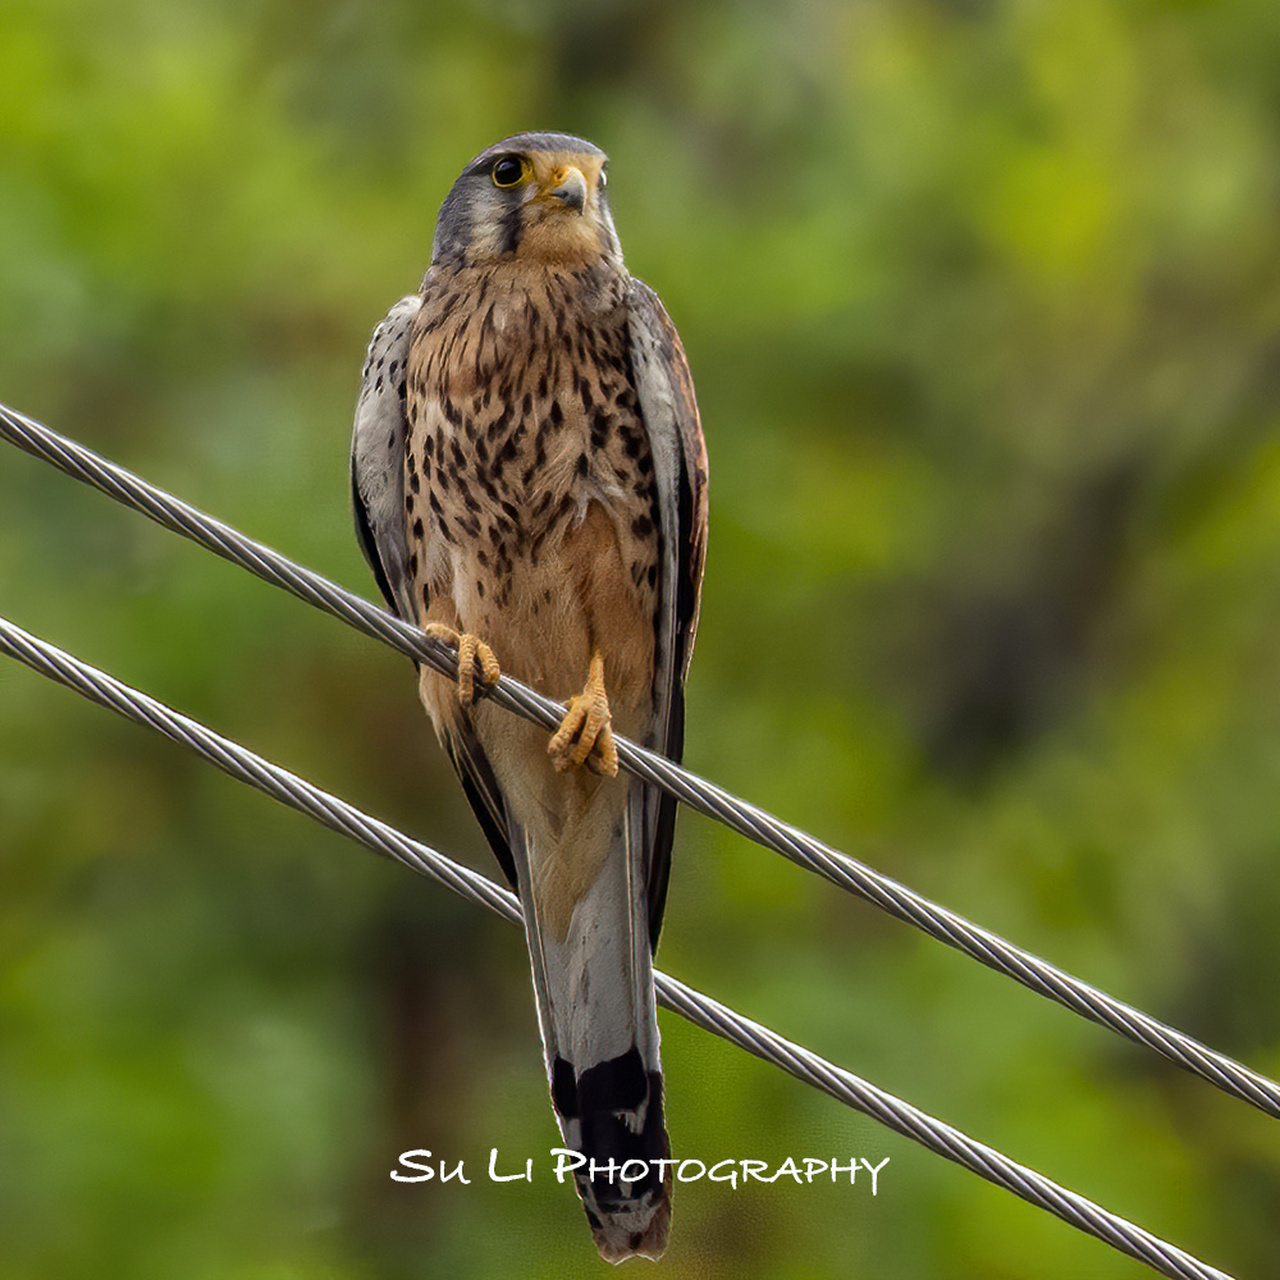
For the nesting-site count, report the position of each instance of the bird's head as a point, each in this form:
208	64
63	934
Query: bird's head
535	198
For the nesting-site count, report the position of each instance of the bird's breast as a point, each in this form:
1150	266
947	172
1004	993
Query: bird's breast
522	414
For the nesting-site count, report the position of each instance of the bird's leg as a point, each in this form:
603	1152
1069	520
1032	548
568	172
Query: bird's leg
584	736
472	653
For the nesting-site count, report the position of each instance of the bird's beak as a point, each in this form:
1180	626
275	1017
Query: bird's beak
570	188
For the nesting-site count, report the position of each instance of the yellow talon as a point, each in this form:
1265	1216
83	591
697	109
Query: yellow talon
584	736
472	653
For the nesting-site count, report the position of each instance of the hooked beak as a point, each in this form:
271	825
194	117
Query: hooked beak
570	189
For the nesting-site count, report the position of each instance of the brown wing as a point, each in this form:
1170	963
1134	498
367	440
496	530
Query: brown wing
669	410
377	457
377	487
482	791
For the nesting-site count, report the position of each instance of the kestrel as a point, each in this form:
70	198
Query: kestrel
530	483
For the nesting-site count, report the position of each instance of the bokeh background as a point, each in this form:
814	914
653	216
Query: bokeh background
983	302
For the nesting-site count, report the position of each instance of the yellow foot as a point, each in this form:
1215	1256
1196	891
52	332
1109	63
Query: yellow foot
584	736
473	653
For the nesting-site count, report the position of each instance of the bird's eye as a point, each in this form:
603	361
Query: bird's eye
508	171
604	180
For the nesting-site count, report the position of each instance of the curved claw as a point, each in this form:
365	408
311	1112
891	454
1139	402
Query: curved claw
584	736
473	654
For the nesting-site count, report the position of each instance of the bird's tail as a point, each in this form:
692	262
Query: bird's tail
593	977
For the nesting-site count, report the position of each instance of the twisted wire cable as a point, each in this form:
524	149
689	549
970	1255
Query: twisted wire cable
701	1010
804	850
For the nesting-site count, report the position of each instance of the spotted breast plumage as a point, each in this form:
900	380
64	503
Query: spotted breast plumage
530	485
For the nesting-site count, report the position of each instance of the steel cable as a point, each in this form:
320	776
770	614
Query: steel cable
804	850
701	1010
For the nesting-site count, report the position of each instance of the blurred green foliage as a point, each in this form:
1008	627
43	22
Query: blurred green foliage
982	300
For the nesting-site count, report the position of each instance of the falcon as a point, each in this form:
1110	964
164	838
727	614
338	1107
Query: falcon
530	484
